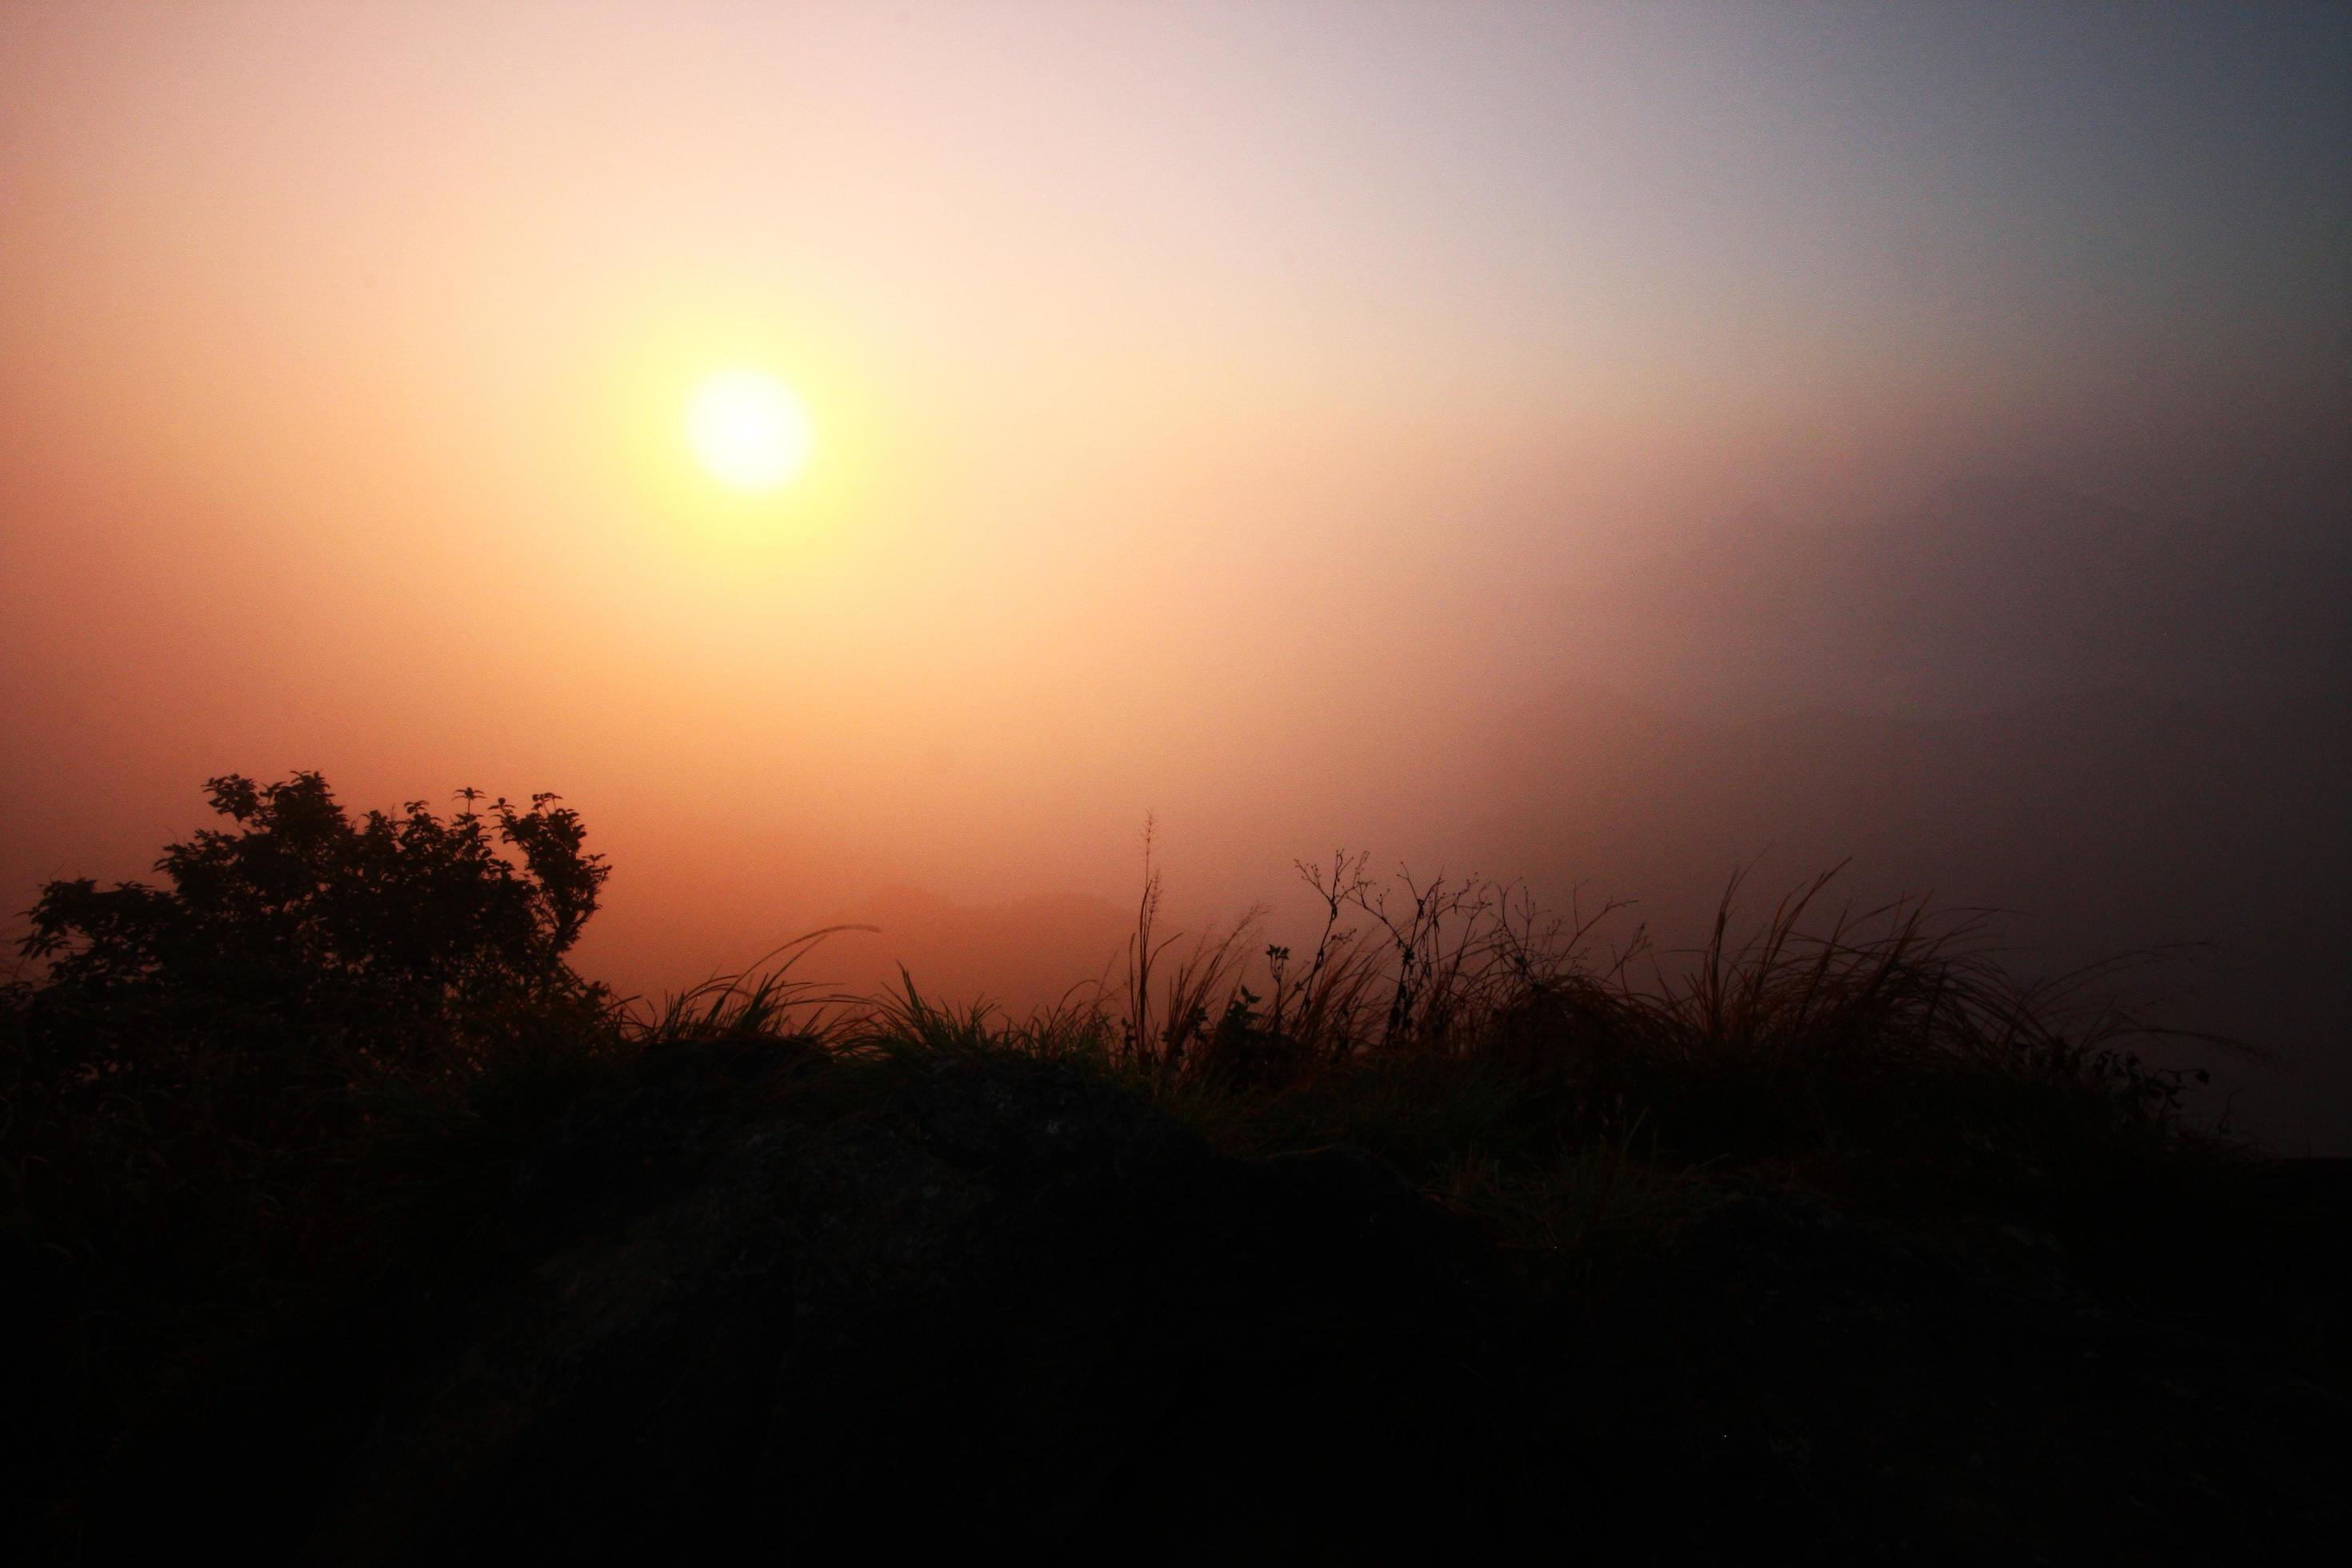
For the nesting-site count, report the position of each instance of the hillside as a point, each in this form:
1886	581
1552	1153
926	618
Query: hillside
346	1224
743	1296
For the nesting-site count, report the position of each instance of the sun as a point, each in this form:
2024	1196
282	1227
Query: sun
751	430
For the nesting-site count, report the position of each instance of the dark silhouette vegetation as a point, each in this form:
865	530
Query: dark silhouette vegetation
384	930
346	1222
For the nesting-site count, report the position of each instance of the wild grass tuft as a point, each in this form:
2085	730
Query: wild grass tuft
184	1165
1570	1088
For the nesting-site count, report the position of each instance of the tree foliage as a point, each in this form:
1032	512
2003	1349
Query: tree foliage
394	921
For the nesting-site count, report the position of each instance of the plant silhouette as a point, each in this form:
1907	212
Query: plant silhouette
323	1118
372	928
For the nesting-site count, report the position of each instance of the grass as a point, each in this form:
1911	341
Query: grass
1578	1097
205	1185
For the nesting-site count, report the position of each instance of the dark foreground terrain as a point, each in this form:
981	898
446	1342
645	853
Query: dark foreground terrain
731	1300
345	1224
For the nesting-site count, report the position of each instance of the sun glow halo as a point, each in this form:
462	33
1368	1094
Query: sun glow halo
751	430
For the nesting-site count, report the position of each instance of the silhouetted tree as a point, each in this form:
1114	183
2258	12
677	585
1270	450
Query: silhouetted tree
395	922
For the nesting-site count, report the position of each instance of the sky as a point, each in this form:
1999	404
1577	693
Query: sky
1244	416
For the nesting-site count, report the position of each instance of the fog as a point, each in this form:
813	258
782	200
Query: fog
1598	444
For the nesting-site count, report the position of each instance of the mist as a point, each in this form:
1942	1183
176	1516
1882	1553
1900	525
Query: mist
1606	446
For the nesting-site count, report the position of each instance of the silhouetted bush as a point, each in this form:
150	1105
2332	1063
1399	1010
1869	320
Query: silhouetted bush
201	1054
194	1096
390	923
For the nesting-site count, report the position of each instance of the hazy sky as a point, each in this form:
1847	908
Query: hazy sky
1212	403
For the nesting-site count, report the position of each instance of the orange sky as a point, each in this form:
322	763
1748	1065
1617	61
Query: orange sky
1216	405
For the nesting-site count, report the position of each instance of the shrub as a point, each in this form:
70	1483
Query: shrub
187	1093
386	931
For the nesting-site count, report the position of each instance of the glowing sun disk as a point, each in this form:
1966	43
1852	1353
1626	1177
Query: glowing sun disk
751	430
